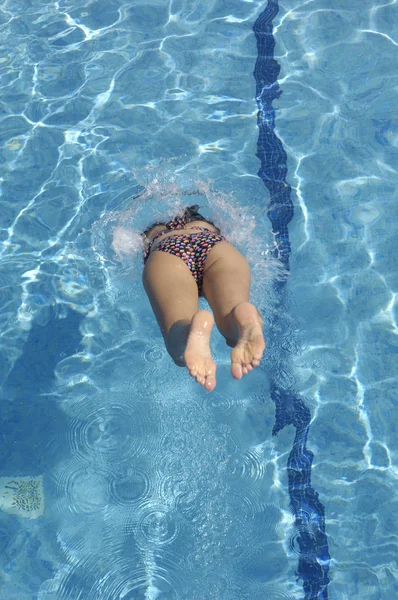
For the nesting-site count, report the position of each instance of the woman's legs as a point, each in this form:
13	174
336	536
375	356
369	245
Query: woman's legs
226	286
173	294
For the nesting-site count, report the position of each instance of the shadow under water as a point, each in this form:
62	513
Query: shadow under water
30	414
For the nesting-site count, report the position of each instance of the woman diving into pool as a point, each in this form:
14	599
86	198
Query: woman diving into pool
187	258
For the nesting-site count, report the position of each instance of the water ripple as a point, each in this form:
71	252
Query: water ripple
275	593
139	576
300	540
267	522
180	491
251	466
156	527
80	489
131	489
131	582
154	353
111	432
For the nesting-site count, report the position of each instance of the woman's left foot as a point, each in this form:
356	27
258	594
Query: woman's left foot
250	347
197	355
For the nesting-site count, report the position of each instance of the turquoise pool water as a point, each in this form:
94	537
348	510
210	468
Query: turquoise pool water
142	485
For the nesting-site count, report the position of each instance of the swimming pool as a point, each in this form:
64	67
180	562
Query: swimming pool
128	480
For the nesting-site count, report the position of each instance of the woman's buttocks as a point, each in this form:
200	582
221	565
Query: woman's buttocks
191	228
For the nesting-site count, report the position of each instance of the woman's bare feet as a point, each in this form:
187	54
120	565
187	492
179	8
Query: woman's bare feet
197	353
250	346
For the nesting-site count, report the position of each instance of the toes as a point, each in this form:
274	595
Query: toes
204	376
236	370
210	384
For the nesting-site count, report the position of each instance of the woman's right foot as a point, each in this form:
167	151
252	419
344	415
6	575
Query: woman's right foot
250	345
197	355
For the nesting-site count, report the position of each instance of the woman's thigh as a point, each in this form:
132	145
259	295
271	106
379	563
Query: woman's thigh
171	289
226	281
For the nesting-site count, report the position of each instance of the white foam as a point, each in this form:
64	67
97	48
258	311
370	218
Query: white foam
126	242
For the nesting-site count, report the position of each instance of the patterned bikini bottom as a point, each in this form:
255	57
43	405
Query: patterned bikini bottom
193	249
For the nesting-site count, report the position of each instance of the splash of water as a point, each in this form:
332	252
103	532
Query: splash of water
117	239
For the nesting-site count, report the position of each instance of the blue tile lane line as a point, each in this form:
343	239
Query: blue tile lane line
310	540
